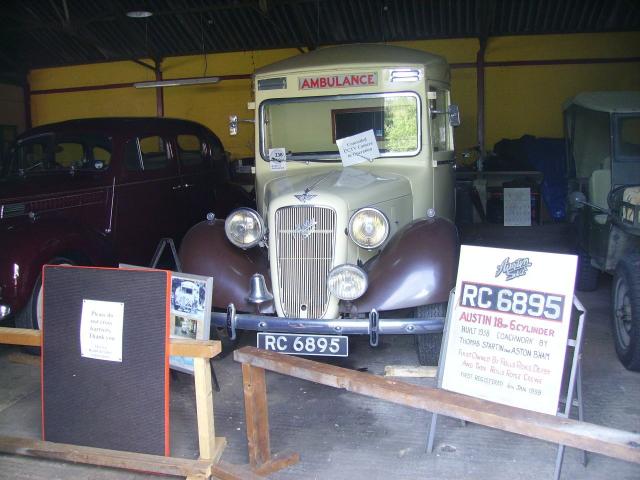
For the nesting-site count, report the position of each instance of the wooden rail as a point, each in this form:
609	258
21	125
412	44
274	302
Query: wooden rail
182	347
584	436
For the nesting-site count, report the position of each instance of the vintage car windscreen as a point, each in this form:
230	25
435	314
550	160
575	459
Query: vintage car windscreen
627	138
49	153
307	128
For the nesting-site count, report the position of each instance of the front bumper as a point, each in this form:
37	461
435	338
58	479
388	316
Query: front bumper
374	326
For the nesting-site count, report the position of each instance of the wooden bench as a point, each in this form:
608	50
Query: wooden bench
573	433
211	447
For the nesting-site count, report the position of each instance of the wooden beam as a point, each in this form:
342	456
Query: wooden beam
229	471
183	347
572	433
104	458
277	462
180	347
126	460
20	336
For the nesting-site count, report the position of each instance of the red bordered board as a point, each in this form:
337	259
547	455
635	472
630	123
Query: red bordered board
105	358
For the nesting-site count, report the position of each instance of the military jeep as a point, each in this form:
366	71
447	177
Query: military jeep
603	151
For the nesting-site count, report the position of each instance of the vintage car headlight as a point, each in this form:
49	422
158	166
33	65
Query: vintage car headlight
368	228
244	227
347	282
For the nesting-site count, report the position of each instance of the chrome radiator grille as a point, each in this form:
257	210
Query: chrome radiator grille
305	242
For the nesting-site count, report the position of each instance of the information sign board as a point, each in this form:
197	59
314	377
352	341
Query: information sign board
517	207
506	336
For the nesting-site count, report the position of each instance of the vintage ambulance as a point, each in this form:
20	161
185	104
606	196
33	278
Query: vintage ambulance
351	242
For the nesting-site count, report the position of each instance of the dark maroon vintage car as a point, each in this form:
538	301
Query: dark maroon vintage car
98	192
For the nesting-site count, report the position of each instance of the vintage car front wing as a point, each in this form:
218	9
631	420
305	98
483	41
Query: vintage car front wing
374	326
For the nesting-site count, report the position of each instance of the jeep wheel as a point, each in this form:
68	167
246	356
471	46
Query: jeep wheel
587	275
31	315
625	305
428	344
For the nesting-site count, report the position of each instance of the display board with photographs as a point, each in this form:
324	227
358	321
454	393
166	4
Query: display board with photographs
190	312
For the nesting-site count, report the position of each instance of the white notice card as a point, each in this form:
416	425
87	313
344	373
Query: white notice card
517	207
358	148
101	327
278	159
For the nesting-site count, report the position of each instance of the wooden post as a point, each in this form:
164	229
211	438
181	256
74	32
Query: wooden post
257	415
257	418
210	447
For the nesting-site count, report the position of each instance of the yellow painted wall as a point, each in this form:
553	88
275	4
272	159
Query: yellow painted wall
529	99
519	100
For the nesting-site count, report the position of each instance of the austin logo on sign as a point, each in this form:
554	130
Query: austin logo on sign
515	269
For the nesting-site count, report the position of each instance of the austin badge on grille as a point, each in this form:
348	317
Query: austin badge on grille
306	228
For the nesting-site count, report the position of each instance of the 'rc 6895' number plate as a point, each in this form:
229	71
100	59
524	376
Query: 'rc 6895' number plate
327	345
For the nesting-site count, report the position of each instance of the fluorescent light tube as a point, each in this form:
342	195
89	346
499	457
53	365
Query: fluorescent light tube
176	82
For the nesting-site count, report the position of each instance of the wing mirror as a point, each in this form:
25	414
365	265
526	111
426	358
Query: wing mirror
233	124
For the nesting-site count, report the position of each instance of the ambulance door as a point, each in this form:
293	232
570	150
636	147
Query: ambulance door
443	156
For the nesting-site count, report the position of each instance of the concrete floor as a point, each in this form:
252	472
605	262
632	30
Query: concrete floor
341	435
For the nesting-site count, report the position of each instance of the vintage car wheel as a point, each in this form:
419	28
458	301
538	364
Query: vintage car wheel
31	315
625	305
428	345
587	275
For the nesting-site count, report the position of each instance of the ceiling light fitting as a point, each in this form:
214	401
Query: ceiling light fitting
139	14
177	82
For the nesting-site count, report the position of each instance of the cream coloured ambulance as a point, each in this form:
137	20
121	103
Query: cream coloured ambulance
353	232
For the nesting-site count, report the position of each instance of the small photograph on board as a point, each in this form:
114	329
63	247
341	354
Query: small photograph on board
188	295
185	327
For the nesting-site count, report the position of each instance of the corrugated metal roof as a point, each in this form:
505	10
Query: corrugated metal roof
38	33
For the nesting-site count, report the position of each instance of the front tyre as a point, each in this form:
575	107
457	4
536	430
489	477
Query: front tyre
625	306
587	275
428	345
31	315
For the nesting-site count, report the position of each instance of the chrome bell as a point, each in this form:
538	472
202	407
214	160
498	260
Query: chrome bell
258	291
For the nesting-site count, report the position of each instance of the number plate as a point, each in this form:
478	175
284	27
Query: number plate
292	344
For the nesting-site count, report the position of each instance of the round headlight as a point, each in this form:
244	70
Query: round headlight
244	227
347	282
368	228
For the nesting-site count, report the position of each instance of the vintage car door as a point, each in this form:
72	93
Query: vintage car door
198	181
146	200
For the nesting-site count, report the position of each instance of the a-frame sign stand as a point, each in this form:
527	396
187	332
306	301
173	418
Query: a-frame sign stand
573	395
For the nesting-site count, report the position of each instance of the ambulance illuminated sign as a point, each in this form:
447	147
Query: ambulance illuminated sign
338	81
